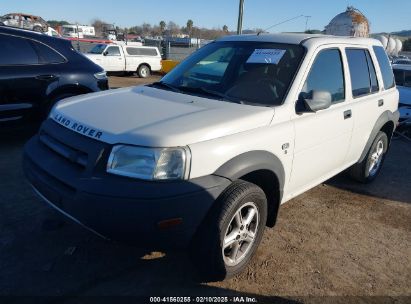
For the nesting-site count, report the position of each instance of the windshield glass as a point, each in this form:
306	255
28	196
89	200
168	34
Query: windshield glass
98	49
246	72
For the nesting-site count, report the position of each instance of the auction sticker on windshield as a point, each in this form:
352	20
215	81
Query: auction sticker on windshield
270	56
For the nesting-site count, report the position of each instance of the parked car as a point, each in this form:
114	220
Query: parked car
25	21
206	156
37	70
402	61
402	74
128	58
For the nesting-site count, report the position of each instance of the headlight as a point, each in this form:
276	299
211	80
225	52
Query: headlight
149	163
101	75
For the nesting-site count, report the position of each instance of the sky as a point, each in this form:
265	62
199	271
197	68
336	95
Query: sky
384	15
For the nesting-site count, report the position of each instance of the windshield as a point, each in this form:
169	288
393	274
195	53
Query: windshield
246	72
68	30
98	49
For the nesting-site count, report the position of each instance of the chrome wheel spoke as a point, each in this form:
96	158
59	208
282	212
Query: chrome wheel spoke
250	237
249	217
234	251
238	218
230	239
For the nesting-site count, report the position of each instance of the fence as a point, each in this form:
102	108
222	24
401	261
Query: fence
167	50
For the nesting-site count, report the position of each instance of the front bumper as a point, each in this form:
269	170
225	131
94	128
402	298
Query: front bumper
115	207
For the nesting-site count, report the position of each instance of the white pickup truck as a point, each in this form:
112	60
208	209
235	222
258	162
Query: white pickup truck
126	58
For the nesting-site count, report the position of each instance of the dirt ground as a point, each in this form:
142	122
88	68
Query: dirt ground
339	242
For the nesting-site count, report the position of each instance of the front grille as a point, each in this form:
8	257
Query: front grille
82	153
78	157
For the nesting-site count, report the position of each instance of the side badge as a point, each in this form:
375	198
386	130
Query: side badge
284	147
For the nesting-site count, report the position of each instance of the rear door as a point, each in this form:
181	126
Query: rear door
322	139
27	73
370	95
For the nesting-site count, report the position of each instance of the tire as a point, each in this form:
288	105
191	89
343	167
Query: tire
143	71
367	170
225	232
38	29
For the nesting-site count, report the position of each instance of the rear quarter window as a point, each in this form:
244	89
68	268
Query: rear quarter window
17	51
385	67
46	54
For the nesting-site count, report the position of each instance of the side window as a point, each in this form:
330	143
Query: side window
326	74
141	51
373	75
113	51
361	71
385	67
399	77
46	54
17	51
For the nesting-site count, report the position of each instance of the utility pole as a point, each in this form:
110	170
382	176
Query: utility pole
306	22
240	17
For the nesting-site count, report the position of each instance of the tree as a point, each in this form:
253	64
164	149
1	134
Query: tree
173	28
162	26
225	28
98	25
56	23
190	24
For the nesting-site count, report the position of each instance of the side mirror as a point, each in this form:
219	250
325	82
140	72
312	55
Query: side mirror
315	101
105	53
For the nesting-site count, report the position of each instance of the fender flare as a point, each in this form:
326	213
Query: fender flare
251	161
385	117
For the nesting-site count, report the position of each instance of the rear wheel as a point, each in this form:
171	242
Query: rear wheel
38	29
231	233
143	71
367	170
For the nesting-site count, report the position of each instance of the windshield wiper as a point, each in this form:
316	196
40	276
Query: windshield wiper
208	92
165	85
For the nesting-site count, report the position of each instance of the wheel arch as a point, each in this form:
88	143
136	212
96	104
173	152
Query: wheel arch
144	63
263	169
386	123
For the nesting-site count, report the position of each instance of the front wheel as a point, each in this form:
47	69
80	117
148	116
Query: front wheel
367	170
232	231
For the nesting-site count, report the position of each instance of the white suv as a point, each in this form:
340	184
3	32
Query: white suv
206	156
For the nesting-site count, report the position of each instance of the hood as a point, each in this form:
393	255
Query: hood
157	118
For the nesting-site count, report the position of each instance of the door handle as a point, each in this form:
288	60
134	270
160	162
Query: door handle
380	102
347	114
45	77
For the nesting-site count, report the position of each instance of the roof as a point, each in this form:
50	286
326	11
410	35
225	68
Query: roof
59	44
305	39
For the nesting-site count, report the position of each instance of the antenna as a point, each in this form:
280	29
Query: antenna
296	17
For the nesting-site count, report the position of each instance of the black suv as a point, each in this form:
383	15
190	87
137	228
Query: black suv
37	70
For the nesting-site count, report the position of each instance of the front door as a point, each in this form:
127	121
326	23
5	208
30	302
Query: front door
113	60
322	139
